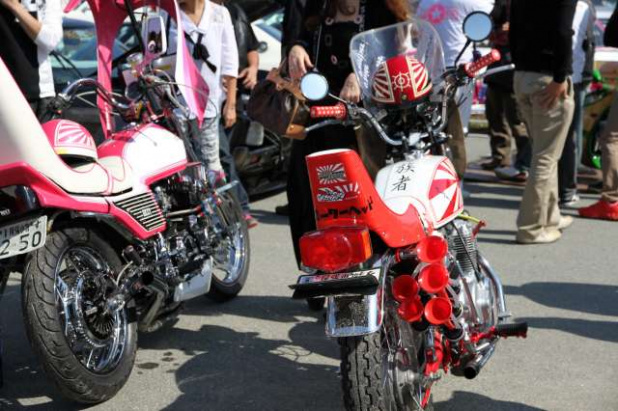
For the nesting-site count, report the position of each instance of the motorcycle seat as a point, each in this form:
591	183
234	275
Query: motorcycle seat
76	147
22	140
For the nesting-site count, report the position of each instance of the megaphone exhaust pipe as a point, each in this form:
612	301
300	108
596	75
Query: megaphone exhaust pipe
476	364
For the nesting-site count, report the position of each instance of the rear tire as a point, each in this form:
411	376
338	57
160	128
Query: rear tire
227	285
42	307
366	384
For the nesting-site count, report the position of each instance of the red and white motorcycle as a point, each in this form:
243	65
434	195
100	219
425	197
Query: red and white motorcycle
112	239
409	294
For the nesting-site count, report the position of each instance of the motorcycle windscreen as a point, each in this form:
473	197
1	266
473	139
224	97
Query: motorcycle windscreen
414	38
109	16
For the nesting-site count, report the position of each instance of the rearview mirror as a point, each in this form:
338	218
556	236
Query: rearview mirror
154	35
477	26
314	86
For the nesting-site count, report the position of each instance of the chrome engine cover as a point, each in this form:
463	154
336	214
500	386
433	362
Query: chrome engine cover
196	285
477	292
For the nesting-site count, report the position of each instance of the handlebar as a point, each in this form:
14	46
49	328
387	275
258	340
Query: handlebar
339	111
472	69
68	94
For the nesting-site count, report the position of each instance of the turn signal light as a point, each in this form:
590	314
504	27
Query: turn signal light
335	249
405	288
432	249
433	278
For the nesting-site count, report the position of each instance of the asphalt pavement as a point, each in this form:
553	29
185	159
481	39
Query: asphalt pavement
264	351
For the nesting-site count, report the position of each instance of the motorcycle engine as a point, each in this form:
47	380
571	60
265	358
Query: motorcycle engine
183	251
476	291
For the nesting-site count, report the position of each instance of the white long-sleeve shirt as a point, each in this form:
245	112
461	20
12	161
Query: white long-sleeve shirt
218	37
35	58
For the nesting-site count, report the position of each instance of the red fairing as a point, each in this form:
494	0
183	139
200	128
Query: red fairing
48	193
344	194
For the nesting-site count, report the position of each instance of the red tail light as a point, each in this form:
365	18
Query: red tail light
335	249
433	278
411	310
405	288
432	249
438	311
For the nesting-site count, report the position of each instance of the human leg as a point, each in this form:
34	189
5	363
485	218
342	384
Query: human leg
539	215
607	207
499	130
567	166
520	133
208	143
229	166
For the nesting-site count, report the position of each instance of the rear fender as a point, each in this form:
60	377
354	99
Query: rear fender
354	315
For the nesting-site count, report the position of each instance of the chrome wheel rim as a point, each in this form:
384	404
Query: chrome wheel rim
231	253
402	377
96	335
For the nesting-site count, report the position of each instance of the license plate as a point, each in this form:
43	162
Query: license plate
22	237
325	278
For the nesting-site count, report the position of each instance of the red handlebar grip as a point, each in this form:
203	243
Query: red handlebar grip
472	68
338	111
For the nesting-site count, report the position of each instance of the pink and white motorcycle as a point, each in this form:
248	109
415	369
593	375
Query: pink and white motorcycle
409	294
113	239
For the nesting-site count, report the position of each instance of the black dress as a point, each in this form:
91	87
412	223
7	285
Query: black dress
334	62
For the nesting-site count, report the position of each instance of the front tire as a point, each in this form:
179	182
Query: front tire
232	259
64	288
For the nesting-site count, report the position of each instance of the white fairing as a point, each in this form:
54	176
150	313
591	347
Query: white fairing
153	151
429	184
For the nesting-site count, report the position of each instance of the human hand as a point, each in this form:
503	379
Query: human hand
250	77
351	89
298	62
549	96
10	4
229	114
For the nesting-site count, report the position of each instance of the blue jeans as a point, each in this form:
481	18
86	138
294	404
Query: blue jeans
571	155
229	166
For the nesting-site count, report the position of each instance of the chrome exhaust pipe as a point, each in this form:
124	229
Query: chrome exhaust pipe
499	290
476	364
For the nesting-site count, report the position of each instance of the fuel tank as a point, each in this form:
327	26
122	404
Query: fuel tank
152	152
430	184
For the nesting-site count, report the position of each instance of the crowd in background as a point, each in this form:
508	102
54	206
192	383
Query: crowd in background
539	105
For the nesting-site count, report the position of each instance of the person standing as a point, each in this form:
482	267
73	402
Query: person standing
29	32
583	56
337	21
607	207
209	27
541	38
248	64
447	17
503	116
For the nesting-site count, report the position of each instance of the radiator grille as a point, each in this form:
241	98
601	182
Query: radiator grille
144	209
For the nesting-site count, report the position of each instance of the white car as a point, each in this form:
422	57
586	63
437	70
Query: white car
268	32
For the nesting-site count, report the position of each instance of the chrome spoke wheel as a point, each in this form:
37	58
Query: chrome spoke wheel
402	376
231	253
96	335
